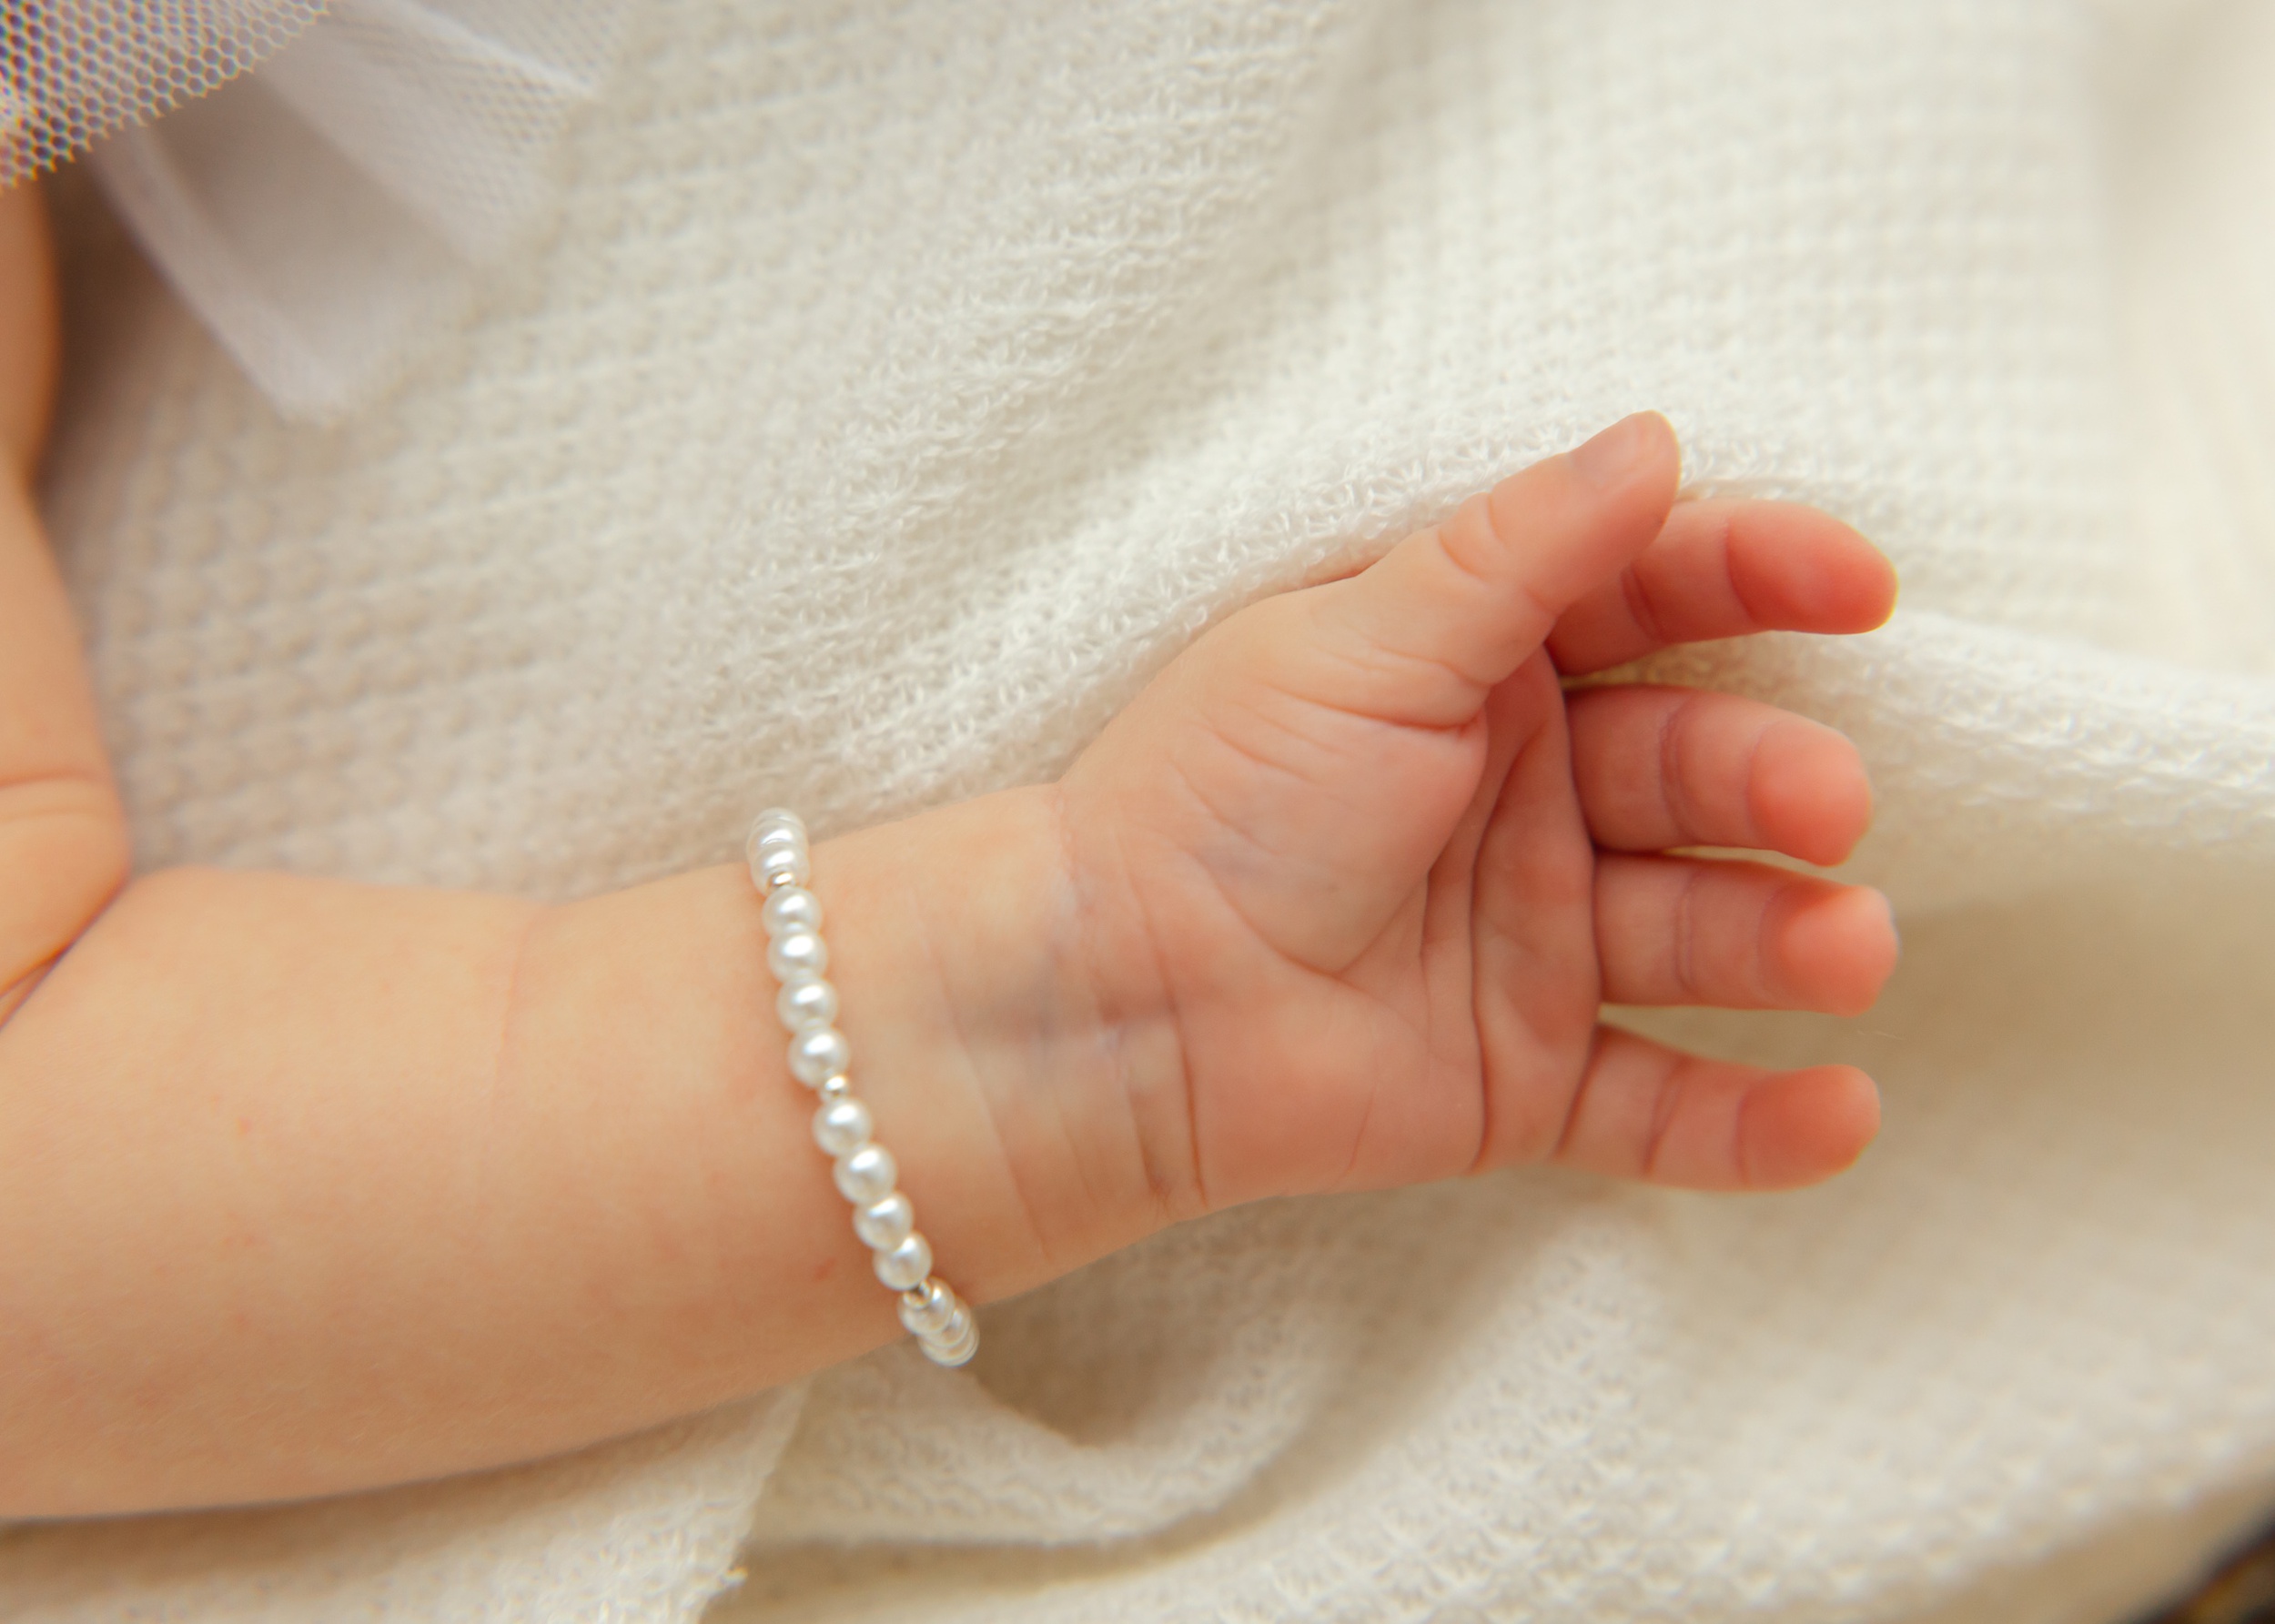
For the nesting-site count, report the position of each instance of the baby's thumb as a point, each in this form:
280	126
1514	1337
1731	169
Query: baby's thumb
1453	611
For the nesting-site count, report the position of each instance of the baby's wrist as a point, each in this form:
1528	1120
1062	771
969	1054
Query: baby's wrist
1010	1090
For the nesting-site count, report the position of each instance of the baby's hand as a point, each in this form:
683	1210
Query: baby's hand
1356	874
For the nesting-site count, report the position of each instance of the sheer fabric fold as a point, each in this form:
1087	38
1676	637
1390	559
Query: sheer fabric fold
72	71
323	217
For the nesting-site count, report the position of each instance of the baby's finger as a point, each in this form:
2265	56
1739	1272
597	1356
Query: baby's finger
1423	634
1649	1112
1739	935
1728	569
1662	767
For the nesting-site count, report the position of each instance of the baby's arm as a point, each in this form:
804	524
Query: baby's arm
305	1186
63	839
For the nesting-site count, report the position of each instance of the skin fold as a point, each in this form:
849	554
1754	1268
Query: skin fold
308	1186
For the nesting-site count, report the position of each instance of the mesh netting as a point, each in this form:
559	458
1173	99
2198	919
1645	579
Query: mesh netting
74	70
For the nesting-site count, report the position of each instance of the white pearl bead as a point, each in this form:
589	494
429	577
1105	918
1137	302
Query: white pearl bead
863	1171
766	836
906	1264
954	1349
807	1002
959	1351
770	837
866	1176
797	956
819	1055
777	824
957	1328
925	1309
841	1126
883	1224
791	908
778	865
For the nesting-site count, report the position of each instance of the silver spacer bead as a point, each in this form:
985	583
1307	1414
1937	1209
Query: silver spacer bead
925	1309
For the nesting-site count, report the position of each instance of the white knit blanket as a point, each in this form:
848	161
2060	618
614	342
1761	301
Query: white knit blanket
898	386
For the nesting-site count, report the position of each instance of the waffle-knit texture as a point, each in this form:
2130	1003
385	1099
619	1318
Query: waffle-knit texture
904	384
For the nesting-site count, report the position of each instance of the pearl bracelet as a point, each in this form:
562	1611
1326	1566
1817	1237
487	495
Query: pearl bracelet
941	1321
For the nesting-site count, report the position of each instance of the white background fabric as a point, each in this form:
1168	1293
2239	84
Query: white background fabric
900	385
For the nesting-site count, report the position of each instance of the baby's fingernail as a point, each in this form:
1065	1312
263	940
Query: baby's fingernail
1612	454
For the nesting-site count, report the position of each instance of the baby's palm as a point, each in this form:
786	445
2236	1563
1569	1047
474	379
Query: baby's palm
1376	872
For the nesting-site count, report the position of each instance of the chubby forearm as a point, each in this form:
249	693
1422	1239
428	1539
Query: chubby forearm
306	1186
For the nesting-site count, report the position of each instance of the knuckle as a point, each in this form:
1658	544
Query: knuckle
1473	540
1686	960
1677	729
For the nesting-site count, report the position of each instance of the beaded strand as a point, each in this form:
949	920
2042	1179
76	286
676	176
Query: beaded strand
941	1321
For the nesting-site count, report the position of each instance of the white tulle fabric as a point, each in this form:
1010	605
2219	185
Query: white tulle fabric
74	71
904	383
330	214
